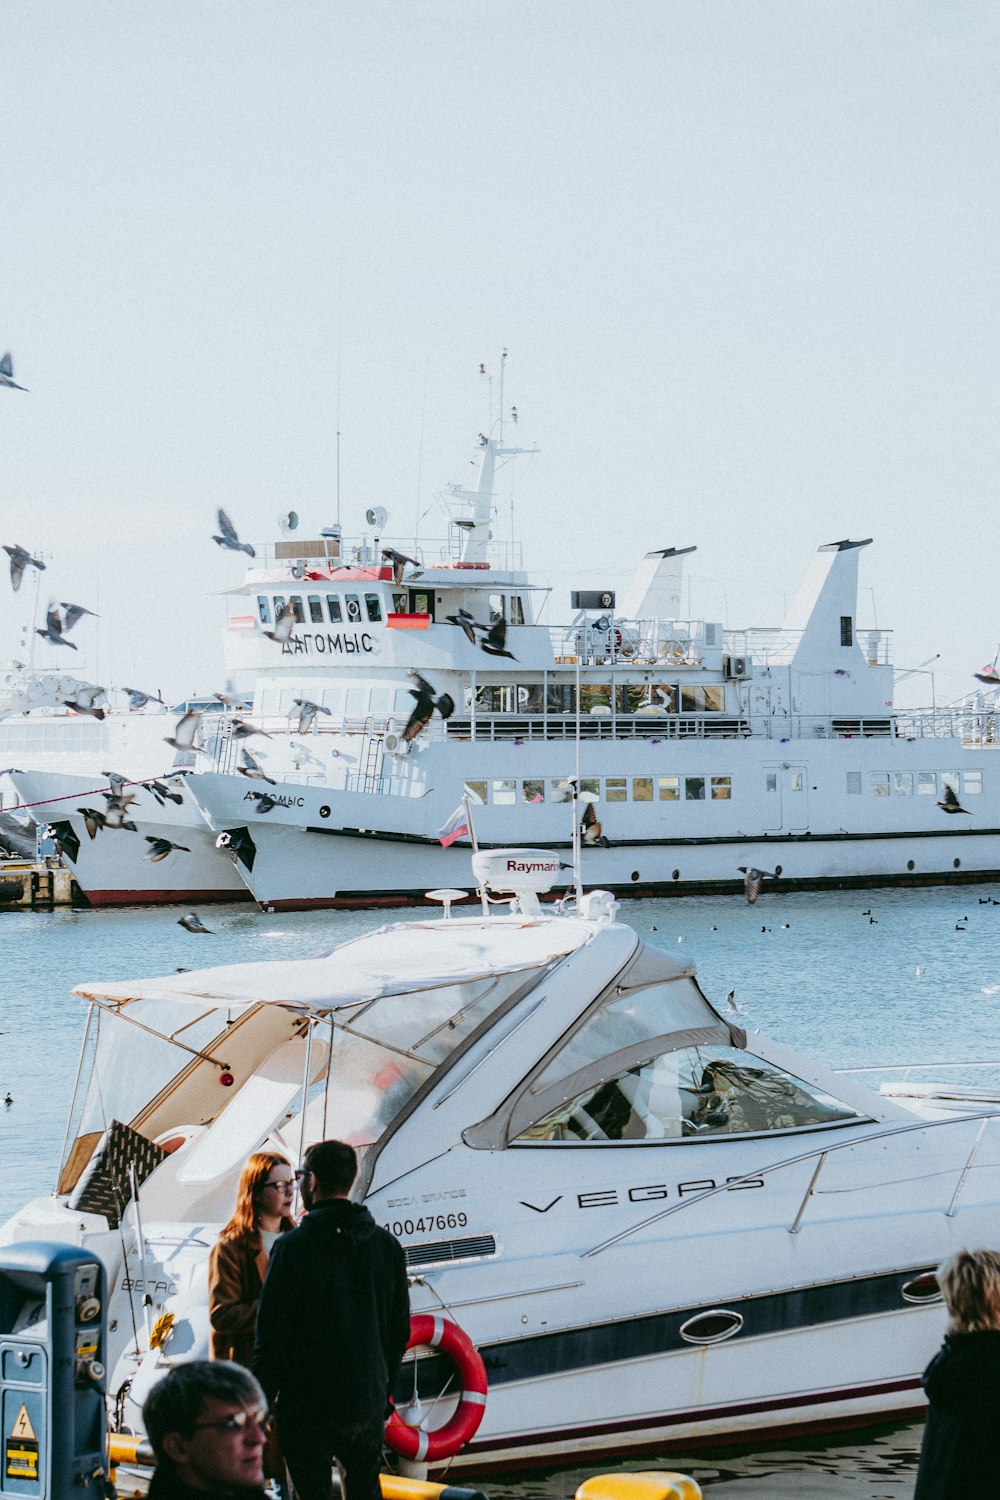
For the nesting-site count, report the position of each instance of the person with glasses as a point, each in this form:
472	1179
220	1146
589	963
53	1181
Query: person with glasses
207	1422
239	1260
332	1328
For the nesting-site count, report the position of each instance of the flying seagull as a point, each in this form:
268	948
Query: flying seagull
950	804
193	923
752	881
307	713
21	558
7	374
399	561
160	848
229	538
427	701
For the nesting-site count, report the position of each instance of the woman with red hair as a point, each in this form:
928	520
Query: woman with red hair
238	1261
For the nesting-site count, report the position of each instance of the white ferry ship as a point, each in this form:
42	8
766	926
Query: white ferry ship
691	750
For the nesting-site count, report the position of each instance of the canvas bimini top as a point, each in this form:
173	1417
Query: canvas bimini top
393	960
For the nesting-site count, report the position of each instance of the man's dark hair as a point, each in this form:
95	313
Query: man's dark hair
334	1164
177	1401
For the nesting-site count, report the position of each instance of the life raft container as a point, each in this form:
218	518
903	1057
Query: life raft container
442	1442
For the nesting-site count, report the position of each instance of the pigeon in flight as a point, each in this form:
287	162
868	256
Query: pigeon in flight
138	699
241	730
7	374
21	558
307	713
93	820
193	923
160	848
84	700
283	625
162	792
265	804
183	737
229	538
495	640
54	625
950	804
752	880
230	700
427	701
399	561
466	622
250	766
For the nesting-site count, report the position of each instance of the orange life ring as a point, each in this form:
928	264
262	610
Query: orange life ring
428	1447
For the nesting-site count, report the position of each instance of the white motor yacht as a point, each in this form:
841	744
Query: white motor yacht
656	1229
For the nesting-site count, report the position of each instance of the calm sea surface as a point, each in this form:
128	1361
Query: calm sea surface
824	978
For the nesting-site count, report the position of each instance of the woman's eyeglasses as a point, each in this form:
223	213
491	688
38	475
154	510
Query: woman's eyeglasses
238	1420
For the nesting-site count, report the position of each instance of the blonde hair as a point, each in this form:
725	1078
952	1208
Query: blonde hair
970	1286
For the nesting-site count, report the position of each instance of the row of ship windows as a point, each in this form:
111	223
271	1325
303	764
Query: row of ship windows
506	790
919	783
351	609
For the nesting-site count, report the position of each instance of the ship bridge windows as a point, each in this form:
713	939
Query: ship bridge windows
926	783
902	783
264	609
334	609
373	608
694	789
533	790
972	783
315	609
709	1090
503	791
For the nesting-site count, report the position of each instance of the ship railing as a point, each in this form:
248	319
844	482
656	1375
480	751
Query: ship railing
818	1156
558	726
609	640
973	726
365	551
775	646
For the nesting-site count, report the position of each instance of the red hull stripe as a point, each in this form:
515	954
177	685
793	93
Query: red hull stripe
408	622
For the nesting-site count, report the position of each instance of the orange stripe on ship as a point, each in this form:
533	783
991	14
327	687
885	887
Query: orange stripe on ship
408	622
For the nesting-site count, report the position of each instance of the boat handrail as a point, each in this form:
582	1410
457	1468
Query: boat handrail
819	1155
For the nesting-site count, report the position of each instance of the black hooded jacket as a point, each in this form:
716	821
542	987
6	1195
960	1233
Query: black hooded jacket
333	1318
959	1456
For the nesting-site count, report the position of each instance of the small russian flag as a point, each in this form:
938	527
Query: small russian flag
456	827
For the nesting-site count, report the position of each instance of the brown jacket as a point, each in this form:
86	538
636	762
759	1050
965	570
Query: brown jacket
235	1276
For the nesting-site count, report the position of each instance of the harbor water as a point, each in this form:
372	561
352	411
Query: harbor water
855	979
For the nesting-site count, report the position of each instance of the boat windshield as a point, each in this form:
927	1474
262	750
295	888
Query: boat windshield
703	1091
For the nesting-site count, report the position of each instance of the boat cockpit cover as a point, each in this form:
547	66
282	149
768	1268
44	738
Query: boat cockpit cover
394	960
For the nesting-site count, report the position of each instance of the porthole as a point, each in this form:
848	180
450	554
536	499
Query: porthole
911	864
923	1288
324	811
676	875
957	864
635	874
711	1327
777	869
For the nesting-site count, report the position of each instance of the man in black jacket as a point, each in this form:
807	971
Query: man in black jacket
332	1326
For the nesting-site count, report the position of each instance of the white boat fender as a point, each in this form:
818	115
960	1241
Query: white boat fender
427	1447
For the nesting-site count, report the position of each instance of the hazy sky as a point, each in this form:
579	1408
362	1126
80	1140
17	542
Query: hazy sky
743	254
